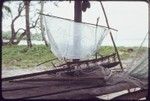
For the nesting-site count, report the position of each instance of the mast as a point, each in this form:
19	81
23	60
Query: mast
78	11
77	17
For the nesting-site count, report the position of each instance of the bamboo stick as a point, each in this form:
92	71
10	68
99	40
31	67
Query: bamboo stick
111	36
77	22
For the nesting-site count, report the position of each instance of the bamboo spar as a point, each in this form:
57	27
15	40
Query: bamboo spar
78	22
111	36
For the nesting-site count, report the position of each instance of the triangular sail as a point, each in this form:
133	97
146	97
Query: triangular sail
73	40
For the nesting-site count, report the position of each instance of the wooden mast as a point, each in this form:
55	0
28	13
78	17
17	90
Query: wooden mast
77	14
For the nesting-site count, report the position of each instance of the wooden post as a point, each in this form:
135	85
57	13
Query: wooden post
112	36
77	15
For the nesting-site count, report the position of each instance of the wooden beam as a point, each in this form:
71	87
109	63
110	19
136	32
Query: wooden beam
93	91
64	79
133	95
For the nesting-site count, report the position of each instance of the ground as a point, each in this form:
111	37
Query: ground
17	60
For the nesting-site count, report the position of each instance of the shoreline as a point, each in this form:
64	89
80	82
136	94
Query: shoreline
124	43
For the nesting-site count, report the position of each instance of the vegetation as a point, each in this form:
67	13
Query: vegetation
16	35
22	56
36	36
124	52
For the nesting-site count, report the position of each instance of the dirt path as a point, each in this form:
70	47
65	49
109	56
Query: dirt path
8	72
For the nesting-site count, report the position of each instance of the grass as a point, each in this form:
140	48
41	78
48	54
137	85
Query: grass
124	54
21	56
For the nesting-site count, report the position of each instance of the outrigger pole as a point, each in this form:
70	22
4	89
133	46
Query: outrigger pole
111	36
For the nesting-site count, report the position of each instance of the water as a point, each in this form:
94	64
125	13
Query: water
24	42
106	42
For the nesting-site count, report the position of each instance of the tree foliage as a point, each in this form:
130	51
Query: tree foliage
6	10
22	32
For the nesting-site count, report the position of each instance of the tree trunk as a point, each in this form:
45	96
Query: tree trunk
13	32
27	4
11	41
41	23
1	5
20	38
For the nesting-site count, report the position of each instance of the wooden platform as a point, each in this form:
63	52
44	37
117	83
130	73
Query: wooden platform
48	86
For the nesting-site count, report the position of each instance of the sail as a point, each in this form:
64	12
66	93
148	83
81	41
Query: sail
73	40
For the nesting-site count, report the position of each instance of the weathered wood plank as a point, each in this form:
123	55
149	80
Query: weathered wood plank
29	89
58	90
95	91
133	95
63	79
50	87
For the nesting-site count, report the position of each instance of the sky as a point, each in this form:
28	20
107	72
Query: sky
129	18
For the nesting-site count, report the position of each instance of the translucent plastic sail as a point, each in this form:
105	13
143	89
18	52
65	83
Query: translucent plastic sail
139	69
139	66
72	40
